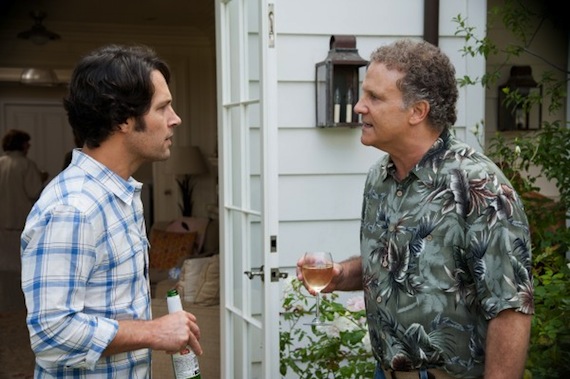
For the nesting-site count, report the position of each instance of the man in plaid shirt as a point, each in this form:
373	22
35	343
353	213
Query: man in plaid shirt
84	246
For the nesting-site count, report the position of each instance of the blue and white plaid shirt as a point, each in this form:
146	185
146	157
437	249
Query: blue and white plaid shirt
84	267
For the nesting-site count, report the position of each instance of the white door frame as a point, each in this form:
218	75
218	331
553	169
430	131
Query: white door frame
247	140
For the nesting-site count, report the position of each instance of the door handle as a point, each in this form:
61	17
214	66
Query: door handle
275	274
251	274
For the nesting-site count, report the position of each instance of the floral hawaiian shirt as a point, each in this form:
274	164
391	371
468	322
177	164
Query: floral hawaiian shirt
443	252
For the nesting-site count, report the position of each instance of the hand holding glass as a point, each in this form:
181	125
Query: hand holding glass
317	271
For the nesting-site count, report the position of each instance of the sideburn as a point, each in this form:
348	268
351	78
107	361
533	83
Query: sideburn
140	124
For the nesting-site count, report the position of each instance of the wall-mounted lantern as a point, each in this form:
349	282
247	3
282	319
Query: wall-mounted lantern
520	101
337	83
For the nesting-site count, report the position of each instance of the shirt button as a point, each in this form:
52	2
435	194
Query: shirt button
391	228
429	237
379	299
399	193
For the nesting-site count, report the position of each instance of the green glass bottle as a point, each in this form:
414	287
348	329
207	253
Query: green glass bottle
185	362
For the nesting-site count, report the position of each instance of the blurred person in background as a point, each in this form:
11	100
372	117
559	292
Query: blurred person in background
21	181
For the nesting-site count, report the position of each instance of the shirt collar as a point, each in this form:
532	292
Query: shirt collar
428	165
121	188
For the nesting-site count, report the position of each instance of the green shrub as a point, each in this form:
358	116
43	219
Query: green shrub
549	149
338	350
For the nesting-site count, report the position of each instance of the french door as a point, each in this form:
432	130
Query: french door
247	134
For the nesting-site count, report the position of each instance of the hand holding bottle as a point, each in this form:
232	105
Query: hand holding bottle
176	331
184	362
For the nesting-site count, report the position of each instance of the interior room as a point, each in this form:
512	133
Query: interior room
180	32
183	33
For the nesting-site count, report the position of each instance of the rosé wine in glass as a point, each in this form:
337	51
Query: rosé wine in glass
317	272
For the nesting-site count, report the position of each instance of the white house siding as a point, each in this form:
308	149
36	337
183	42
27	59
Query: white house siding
322	171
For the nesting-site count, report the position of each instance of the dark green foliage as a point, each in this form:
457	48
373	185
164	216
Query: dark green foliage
548	150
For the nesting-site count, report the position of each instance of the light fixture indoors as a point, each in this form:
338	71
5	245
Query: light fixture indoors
38	77
38	33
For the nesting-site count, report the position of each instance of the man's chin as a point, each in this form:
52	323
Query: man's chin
166	154
157	157
365	139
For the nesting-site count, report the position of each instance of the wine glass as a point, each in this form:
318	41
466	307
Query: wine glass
317	270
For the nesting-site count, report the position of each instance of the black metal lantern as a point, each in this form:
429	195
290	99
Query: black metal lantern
337	83
520	101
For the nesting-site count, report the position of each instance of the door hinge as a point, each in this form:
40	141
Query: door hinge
271	24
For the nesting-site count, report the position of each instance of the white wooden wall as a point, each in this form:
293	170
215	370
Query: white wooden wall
322	171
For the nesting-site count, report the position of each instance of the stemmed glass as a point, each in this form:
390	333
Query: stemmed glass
317	270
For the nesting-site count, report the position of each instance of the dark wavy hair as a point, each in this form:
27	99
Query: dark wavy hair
108	86
428	75
15	140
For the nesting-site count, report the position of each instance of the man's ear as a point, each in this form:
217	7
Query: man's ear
127	125
420	111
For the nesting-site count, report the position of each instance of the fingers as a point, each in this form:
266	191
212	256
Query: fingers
337	272
337	276
181	329
299	272
300	277
195	345
194	335
192	343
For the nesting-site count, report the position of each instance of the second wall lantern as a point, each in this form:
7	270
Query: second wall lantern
519	101
338	83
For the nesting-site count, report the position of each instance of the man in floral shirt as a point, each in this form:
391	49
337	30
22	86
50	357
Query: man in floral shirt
445	260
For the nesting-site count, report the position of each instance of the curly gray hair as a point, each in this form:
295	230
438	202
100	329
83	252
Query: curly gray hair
428	75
